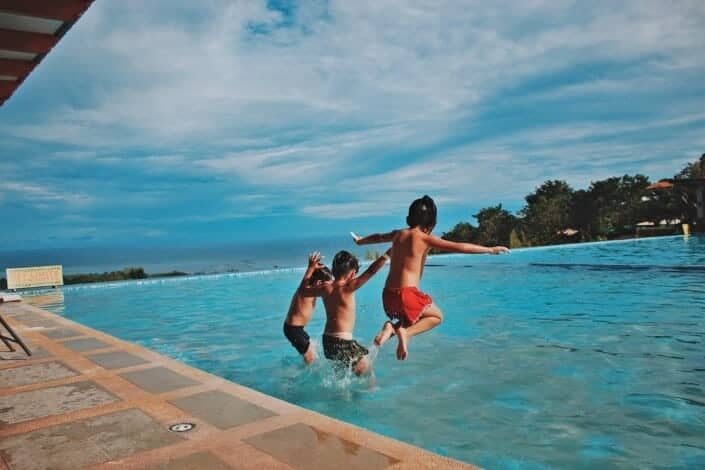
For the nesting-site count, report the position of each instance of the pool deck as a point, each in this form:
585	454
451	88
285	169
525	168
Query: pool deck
87	400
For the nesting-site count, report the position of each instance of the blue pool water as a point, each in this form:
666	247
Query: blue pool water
573	356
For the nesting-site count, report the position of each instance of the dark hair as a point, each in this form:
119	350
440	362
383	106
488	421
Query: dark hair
422	212
344	262
321	274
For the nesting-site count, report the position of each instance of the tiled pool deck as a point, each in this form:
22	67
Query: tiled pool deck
87	400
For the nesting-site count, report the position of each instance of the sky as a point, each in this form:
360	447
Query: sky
158	122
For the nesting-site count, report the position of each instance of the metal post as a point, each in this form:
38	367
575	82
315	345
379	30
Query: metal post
14	337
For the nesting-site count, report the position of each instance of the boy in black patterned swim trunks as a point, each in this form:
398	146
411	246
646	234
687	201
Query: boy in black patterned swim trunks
301	308
339	300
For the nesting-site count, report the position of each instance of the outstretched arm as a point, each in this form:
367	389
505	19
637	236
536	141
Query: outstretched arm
372	269
374	238
467	248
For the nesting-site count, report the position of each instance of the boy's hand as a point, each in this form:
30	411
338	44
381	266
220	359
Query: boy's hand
356	238
495	250
314	260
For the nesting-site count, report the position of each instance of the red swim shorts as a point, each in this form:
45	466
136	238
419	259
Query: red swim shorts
404	303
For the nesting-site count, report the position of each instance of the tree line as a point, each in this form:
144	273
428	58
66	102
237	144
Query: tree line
556	213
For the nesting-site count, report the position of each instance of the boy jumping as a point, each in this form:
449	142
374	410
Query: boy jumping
301	308
413	310
339	300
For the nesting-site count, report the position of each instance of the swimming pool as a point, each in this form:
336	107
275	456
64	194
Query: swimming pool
572	356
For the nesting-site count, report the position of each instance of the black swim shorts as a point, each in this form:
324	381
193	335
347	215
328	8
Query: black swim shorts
298	337
342	350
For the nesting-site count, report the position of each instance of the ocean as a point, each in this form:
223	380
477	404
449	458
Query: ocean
193	259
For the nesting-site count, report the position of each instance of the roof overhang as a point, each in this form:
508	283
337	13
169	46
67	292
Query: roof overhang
663	184
28	31
670	183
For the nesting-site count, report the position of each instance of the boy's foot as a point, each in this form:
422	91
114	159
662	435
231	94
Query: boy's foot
310	355
401	348
384	334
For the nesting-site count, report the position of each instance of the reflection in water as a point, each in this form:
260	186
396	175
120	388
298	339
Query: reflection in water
48	299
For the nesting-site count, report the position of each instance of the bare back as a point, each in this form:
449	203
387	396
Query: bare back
409	251
300	310
340	309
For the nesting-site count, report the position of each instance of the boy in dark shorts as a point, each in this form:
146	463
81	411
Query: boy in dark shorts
339	300
301	308
413	311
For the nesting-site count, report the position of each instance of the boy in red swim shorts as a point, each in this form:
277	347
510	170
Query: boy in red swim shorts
413	311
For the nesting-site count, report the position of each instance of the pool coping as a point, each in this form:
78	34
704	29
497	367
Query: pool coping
235	426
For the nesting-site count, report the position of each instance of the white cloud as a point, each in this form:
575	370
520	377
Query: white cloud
373	63
349	210
45	197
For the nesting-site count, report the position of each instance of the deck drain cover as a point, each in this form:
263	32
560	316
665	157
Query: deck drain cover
181	427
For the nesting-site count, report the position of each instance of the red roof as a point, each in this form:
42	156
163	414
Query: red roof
663	184
28	31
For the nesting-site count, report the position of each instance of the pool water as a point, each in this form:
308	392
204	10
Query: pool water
574	356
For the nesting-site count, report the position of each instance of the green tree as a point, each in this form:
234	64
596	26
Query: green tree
547	213
631	205
462	232
495	226
693	170
583	215
617	204
683	196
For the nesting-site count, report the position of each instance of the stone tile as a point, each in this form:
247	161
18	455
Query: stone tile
221	409
116	359
12	309
86	442
52	401
304	447
85	344
19	354
158	379
34	373
197	461
61	333
32	319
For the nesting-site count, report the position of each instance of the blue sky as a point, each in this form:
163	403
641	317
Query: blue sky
176	121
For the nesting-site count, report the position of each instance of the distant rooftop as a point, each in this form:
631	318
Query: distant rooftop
669	183
29	29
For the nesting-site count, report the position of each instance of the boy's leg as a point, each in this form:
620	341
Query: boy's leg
362	366
385	333
310	354
431	317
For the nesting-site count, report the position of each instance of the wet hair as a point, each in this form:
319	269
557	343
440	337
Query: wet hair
321	274
422	213
343	262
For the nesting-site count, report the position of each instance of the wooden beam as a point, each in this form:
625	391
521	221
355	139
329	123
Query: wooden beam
23	41
6	89
16	67
64	10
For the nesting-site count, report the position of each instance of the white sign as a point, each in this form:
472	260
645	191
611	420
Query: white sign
38	276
